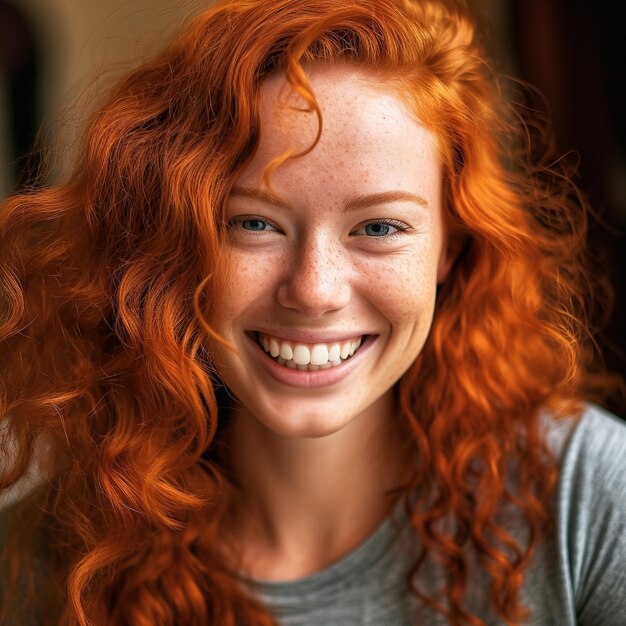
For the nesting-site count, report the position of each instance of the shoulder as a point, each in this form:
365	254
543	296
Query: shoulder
591	511
591	450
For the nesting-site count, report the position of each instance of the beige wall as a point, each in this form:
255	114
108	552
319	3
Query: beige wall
84	39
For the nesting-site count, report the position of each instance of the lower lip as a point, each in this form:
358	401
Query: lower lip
317	378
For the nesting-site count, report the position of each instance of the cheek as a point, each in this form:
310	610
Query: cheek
250	278
403	286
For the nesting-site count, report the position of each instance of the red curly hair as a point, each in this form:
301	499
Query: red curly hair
110	278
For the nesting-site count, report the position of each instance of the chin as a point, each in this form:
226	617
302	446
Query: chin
303	427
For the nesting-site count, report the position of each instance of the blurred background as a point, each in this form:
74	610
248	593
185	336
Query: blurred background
51	51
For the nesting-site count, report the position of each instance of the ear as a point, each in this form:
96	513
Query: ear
452	246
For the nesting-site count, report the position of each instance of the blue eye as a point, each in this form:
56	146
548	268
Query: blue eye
379	229
256	224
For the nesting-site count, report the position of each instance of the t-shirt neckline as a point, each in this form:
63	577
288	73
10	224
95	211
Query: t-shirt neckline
359	559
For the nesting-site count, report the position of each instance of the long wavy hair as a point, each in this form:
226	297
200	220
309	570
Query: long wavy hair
111	276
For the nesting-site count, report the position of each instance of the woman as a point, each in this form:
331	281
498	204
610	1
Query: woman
303	341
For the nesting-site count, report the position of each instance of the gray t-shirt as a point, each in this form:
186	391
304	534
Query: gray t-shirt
577	575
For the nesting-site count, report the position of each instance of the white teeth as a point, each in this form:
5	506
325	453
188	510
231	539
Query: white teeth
334	353
353	346
311	358
319	355
301	355
286	352
274	347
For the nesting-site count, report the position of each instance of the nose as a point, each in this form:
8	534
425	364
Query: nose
317	279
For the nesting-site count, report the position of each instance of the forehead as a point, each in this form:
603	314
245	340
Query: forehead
350	99
369	136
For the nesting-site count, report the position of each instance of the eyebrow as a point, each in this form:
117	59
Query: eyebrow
353	203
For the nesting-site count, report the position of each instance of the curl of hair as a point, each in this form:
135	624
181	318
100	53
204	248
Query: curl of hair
109	280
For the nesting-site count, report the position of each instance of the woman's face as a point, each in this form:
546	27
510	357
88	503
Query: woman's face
350	243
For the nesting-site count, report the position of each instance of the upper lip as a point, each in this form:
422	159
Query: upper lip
312	336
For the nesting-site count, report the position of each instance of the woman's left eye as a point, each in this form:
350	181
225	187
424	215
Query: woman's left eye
380	229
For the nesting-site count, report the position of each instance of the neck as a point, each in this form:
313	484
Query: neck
305	502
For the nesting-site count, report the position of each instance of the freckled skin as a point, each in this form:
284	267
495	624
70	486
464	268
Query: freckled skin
318	268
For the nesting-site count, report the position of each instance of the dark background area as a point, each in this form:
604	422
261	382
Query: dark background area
572	51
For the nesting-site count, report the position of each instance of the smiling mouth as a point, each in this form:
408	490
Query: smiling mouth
308	357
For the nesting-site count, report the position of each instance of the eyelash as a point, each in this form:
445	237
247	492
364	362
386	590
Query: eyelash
399	226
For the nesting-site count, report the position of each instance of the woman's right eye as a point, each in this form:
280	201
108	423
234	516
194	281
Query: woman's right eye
251	224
